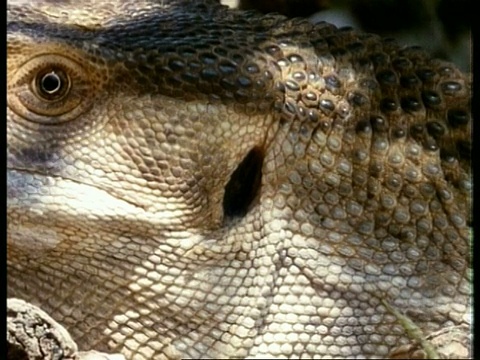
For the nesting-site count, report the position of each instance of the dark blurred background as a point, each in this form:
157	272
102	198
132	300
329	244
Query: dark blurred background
441	26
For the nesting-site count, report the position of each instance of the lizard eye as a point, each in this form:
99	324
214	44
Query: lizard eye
50	89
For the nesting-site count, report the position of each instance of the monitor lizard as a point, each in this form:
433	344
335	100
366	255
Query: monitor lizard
189	181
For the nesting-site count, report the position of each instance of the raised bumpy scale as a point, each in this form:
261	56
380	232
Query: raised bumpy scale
190	181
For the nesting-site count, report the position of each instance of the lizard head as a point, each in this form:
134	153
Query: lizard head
98	107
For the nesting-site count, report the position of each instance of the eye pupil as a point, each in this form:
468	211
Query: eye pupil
51	83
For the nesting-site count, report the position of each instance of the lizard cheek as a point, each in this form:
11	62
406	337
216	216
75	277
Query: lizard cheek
50	89
243	187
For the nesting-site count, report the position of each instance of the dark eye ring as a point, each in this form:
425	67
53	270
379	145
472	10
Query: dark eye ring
52	85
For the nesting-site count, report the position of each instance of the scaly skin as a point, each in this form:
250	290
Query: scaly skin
192	181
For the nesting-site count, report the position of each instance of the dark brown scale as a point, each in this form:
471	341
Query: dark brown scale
176	65
312	115
174	82
417	131
283	63
285	43
368	84
325	125
209	74
409	81
208	58
242	96
238	58
379	59
228	84
387	77
379	123
357	99
194	65
290	107
310	96
451	87
299	76
189	77
274	51
314	78
388	105
356	47
390	45
320	44
292	85
244	82
252	69
394	182
327	105
410	104
363	63
399	133
447	155
426	75
280	87
363	126
431	99
332	83
260	84
435	129
430	145
328	60
301	111
339	53
375	169
294	58
227	68
457	117
187	53
446	71
220	51
343	109
278	106
402	64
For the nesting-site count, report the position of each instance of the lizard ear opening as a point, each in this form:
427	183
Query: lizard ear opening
244	184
